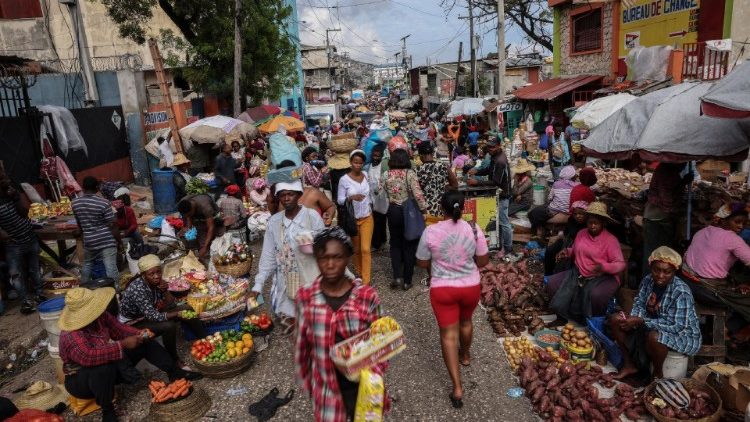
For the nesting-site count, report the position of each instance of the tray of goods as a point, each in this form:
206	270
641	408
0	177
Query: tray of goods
223	354
688	399
577	343
236	262
191	404
178	286
257	324
381	342
548	338
163	393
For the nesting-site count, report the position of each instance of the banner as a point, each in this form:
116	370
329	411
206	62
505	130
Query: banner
649	23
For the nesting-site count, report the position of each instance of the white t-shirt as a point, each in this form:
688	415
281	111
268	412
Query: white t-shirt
349	187
166	153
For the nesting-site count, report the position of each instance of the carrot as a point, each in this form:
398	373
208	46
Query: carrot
153	389
181	381
162	395
182	391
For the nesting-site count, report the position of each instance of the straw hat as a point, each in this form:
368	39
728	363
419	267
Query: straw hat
523	166
339	161
84	306
180	159
599	209
41	395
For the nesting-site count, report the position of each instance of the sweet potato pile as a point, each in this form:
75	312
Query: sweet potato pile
567	392
514	298
700	406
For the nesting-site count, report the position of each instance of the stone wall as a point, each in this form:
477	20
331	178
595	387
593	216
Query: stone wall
599	63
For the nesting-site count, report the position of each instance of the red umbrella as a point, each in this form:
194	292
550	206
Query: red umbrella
292	114
262	112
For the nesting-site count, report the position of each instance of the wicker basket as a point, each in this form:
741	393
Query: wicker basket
221	370
689	384
345	145
191	408
236	270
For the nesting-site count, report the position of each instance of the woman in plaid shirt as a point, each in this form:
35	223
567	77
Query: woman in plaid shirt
334	308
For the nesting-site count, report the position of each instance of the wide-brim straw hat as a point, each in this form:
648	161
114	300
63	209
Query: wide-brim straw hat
339	161
180	159
523	166
41	395
84	306
599	209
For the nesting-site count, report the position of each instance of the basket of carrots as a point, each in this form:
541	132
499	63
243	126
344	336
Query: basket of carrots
178	401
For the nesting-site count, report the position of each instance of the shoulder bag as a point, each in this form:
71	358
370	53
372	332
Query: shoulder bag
413	220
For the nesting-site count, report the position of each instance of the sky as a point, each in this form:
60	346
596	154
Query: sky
371	29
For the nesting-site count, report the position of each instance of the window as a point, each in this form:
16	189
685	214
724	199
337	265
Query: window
20	9
586	30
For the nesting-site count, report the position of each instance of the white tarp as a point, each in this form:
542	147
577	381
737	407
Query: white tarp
214	129
467	106
666	125
594	112
66	129
733	91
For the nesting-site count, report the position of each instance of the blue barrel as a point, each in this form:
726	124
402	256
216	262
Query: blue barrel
165	197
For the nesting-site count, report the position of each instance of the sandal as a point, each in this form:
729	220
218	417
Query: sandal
456	403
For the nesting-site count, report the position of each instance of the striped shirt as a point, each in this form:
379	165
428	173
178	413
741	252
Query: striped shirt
95	217
12	223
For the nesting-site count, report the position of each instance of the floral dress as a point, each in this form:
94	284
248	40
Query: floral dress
433	178
401	184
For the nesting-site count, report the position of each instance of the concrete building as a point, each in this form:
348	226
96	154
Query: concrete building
294	96
318	76
388	75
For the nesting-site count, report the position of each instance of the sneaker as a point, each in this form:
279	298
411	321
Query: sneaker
407	286
28	308
396	283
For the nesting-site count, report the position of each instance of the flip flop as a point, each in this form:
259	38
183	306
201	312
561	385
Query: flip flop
456	403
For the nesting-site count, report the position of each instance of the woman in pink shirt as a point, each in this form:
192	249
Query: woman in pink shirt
712	253
585	290
454	250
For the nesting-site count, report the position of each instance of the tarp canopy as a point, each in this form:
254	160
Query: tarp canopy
215	129
262	112
666	126
290	123
730	96
594	112
553	88
467	107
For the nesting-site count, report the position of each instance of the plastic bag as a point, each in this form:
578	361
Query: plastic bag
370	397
168	234
282	149
191	263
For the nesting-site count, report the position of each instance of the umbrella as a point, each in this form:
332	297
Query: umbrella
666	126
291	113
467	106
216	129
594	112
290	123
262	112
730	96
246	118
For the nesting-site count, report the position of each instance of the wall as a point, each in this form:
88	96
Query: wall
294	94
585	64
740	27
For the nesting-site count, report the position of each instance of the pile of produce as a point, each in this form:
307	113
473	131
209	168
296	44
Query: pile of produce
222	346
238	252
625	182
161	392
671	399
516	349
188	314
216	294
196	186
513	298
579	338
255	323
178	284
39	211
562	391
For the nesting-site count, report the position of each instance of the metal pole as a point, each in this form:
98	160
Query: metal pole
458	68
237	56
473	51
500	49
328	55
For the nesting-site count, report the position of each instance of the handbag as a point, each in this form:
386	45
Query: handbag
347	220
413	220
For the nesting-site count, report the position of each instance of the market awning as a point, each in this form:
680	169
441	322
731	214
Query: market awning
553	88
729	97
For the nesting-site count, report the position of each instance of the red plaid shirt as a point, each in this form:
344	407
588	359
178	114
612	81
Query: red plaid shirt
96	344
317	325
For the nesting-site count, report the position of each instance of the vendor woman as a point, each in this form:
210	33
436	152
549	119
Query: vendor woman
559	201
712	253
663	318
148	304
586	289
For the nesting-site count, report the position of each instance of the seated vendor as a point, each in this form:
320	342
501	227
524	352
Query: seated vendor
663	318
260	193
125	217
586	289
98	351
147	304
711	254
182	176
233	209
523	187
559	200
576	223
200	211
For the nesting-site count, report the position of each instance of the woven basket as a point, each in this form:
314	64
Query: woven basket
191	408
225	369
342	146
236	270
689	384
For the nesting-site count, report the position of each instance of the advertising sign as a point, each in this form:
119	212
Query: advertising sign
650	23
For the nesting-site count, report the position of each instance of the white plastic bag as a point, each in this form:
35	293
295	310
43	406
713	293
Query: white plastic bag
168	234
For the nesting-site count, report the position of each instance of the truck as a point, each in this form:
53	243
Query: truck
333	109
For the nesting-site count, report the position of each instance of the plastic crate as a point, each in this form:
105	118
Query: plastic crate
231	322
596	327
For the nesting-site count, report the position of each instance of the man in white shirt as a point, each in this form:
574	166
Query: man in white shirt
166	157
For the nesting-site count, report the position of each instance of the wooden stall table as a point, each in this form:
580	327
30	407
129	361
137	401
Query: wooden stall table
56	230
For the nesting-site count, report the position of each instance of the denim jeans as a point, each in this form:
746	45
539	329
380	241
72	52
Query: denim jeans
23	265
109	256
505	227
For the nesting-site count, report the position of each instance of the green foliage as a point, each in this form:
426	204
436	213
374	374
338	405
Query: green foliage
205	56
196	186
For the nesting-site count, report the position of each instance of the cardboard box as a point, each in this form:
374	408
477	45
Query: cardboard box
731	382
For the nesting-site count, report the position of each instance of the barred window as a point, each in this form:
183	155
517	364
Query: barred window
587	31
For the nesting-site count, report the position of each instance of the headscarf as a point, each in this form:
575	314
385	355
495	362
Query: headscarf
587	176
295	186
232	190
148	262
567	173
259	184
666	254
579	204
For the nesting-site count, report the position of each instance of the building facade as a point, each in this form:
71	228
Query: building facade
318	77
294	96
388	75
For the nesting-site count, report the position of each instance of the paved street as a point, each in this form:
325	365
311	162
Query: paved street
417	379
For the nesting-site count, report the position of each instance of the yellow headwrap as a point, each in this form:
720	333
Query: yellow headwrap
147	262
667	255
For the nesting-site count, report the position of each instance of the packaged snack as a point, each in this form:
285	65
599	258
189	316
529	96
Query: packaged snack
370	398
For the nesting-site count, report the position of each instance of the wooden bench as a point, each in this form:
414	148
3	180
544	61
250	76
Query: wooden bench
715	348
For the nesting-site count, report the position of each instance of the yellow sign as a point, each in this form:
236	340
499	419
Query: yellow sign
650	23
481	210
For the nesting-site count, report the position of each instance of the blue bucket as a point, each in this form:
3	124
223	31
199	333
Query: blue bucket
49	313
165	196
52	305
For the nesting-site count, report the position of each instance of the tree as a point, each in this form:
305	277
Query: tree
206	53
533	17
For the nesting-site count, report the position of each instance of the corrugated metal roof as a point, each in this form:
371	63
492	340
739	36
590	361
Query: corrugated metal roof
553	88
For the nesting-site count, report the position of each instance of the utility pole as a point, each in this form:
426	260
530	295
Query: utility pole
237	57
404	63
458	68
473	50
396	58
500	49
328	55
